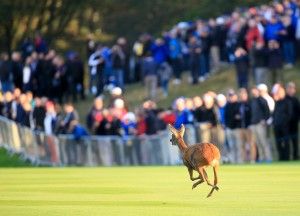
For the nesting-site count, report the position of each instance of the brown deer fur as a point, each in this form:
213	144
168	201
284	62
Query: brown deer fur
197	157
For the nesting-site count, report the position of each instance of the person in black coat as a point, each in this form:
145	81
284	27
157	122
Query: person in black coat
275	61
232	124
17	70
260	113
194	50
281	118
260	63
294	122
242	67
38	115
246	133
5	73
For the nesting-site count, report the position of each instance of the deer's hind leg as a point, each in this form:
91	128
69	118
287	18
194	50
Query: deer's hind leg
204	176
215	182
200	181
191	174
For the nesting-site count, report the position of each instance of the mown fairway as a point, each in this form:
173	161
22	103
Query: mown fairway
244	190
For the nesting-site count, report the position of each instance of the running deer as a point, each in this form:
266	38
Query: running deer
197	157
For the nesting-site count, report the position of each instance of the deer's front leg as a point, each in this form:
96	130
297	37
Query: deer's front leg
191	174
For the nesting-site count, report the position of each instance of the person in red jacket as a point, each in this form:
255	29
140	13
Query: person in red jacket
253	35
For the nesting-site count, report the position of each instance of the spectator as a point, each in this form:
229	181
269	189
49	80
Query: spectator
275	61
165	73
260	63
288	41
233	123
195	51
70	115
182	114
16	67
260	113
247	141
50	119
5	73
118	64
273	29
38	114
95	116
294	120
97	63
149	71
27	75
242	67
281	118
208	126
175	56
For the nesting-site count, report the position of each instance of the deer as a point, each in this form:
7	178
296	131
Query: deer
197	157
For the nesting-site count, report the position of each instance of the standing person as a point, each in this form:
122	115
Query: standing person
48	71
118	64
90	45
260	113
38	114
165	73
247	142
260	63
149	71
242	67
281	118
27	75
195	50
288	41
95	116
216	40
123	44
5	73
175	56
59	84
16	67
70	115
209	120
294	121
204	54
97	77
79	77
232	123
275	61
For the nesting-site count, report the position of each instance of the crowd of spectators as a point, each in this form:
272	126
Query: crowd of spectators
43	72
37	84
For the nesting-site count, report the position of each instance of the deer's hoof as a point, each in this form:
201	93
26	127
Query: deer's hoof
216	188
194	186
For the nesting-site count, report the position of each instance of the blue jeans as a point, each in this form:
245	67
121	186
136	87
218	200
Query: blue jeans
119	76
164	85
289	52
6	86
204	64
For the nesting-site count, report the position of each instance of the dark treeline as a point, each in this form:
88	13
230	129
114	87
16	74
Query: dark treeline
70	21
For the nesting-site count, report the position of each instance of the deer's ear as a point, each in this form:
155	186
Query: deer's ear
182	130
172	129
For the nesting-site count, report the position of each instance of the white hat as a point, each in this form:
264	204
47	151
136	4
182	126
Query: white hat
119	103
116	91
262	87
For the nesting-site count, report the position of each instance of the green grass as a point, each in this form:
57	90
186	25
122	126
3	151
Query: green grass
244	190
14	160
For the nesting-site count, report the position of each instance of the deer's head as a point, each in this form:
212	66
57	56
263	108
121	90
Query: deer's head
176	134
